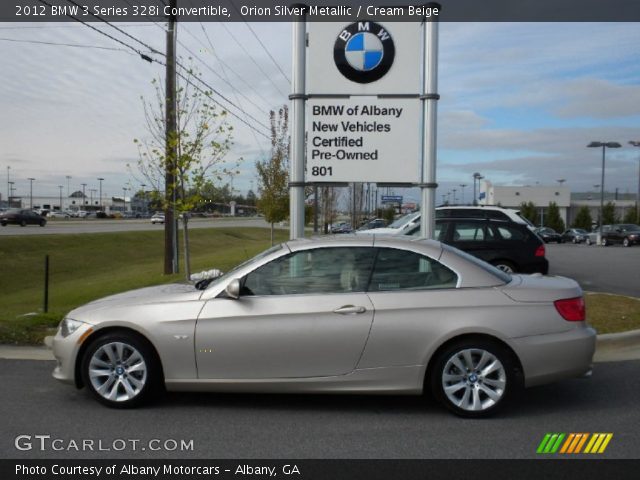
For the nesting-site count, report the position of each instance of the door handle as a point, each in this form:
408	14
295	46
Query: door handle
349	310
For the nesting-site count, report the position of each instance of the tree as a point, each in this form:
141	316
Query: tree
609	215
273	173
553	218
631	216
251	198
202	140
583	219
529	211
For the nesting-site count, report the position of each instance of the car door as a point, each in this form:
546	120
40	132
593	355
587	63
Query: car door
301	315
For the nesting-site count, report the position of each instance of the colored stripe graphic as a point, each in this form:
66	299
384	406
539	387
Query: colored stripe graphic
574	443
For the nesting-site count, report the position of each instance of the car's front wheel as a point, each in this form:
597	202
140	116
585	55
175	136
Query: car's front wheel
473	378
625	242
120	370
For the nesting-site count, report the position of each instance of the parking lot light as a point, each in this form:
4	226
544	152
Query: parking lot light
604	146
636	143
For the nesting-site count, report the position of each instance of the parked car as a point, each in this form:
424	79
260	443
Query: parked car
374	224
55	214
22	217
398	227
549	235
408	222
575	235
299	318
626	234
483	211
509	246
592	237
342	227
157	218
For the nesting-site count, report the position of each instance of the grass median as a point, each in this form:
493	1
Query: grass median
85	267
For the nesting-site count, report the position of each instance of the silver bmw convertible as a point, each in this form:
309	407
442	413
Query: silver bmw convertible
374	315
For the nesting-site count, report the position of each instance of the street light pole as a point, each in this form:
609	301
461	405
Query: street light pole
637	144
10	189
60	187
604	146
84	201
68	177
462	185
100	179
31	192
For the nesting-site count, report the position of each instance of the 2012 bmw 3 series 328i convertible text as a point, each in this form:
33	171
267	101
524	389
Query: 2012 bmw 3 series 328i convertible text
374	315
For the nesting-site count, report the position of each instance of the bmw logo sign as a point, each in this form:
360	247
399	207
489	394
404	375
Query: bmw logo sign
364	51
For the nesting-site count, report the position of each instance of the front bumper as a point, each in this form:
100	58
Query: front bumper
547	358
65	351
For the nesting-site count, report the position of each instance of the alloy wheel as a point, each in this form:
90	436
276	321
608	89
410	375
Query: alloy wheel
117	371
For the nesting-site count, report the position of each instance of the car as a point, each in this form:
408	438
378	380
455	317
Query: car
509	246
483	211
57	214
549	235
592	237
408	222
626	234
22	217
342	227
335	314
575	235
157	218
398	227
373	224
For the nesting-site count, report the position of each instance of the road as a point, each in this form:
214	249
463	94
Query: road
56	227
613	269
314	426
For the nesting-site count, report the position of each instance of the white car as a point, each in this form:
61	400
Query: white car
57	215
157	218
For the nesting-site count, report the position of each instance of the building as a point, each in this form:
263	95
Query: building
539	195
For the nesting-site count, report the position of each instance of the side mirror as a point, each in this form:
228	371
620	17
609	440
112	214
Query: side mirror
233	289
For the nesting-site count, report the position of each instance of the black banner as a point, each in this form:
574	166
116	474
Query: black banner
321	10
579	469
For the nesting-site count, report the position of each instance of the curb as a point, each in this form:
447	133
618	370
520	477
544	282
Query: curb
618	340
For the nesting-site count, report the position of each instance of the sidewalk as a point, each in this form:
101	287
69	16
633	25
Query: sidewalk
611	347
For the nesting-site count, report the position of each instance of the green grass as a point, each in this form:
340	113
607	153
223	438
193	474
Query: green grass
84	267
612	313
89	266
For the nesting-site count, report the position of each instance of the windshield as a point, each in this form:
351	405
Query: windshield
402	221
232	272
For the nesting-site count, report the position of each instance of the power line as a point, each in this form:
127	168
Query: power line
267	76
263	46
78	45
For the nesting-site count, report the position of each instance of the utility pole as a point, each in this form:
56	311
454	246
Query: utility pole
171	150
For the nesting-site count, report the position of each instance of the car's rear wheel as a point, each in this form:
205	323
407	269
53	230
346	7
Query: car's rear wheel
604	242
23	223
473	378
504	265
43	223
588	241
120	370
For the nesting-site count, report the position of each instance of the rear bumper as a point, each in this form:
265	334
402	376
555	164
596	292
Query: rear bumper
547	358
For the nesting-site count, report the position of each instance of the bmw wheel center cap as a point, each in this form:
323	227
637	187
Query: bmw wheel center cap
364	51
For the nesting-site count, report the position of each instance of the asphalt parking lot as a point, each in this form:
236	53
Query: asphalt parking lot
613	269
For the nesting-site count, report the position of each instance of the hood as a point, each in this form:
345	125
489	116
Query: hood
160	294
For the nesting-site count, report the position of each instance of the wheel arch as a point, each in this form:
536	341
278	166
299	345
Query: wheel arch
466	337
105	331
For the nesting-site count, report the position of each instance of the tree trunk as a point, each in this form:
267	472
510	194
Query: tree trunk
187	258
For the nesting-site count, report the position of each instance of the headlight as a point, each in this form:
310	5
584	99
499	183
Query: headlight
68	326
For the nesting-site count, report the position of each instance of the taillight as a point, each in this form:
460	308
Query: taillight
571	309
540	251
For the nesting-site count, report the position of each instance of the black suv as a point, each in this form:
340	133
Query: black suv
625	233
510	246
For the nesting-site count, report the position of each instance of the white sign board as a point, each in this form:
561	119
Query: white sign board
364	47
363	140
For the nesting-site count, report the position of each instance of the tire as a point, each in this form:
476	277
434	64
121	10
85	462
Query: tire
120	370
504	265
604	242
43	223
573	240
4	224
625	242
23	223
588	241
486	385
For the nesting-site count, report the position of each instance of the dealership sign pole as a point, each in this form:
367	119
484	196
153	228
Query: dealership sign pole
367	108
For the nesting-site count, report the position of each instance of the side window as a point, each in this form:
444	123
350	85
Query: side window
497	215
402	270
438	233
510	233
322	270
469	232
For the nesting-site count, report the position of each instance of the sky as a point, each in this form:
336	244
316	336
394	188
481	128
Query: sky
519	102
